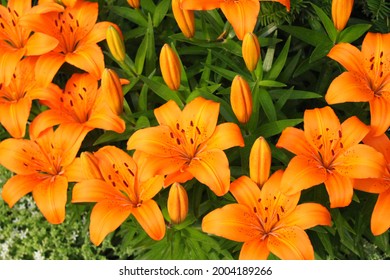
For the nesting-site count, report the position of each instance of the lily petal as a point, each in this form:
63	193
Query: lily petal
14	116
106	120
380	115
94	190
245	191
88	58
151	187
349	56
226	135
349	87
293	139
372	185
17	187
9	58
151	219
379	224
46	119
353	132
291	243
40	43
201	4
47	67
360	161
340	190
234	221
242	15
255	249
167	114
106	217
212	169
302	173
50	196
308	215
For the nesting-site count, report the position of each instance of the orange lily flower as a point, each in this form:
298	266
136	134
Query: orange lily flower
188	144
78	34
381	186
120	194
329	152
266	220
242	14
17	41
16	98
367	78
83	103
39	164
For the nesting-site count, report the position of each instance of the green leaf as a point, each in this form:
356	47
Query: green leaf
306	35
160	12
150	61
276	127
321	50
279	63
229	75
326	22
352	33
142	122
162	90
295	94
206	71
267	104
133	15
270	83
112	136
141	55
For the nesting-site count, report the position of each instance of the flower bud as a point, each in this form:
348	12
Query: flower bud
185	19
112	90
241	99
250	51
177	203
260	161
134	3
170	67
115	43
341	11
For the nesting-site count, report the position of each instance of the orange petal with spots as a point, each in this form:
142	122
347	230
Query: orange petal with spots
51	196
255	249
379	224
360	161
9	58
18	186
372	185
234	221
308	215
106	217
291	243
82	168
321	126
151	219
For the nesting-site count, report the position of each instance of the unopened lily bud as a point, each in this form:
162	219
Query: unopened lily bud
250	51
112	88
115	44
177	203
185	19
134	3
241	99
341	11
260	161
170	67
